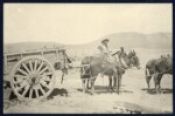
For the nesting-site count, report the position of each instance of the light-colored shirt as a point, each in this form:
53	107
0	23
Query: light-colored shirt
104	49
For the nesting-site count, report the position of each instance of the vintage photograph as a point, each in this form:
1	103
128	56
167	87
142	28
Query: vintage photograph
67	58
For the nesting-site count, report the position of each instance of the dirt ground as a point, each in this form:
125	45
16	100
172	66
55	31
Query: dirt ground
134	95
69	98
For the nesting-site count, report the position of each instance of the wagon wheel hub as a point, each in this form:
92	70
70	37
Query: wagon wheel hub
32	78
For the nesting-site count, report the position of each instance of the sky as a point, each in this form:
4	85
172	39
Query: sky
82	23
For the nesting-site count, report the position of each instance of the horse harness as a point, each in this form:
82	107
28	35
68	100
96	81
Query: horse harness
84	70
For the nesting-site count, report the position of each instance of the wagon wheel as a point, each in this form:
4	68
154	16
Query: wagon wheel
32	78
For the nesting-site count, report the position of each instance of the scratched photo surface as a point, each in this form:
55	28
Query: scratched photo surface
87	58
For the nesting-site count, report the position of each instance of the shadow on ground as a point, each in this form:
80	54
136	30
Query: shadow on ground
56	92
103	89
162	91
81	90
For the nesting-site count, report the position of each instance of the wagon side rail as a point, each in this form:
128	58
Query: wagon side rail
10	57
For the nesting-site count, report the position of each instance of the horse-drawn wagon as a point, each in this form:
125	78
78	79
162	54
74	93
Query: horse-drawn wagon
31	74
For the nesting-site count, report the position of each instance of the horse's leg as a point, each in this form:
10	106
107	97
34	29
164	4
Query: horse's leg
92	84
83	85
110	82
116	83
86	83
148	78
89	86
120	80
159	81
156	81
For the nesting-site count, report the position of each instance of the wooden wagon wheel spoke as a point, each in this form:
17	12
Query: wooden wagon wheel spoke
35	65
41	89
30	65
20	76
26	68
30	93
43	83
44	69
18	82
40	66
37	94
23	72
23	84
26	89
19	79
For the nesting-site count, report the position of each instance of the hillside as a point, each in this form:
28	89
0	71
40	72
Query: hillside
128	40
23	46
134	40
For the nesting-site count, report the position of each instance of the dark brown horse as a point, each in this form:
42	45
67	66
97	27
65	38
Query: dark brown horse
94	65
157	68
128	60
132	60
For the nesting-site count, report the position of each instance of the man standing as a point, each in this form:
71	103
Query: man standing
121	56
121	53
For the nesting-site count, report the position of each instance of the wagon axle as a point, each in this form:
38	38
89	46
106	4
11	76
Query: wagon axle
34	80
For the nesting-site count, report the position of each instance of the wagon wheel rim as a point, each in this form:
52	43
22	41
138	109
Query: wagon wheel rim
32	78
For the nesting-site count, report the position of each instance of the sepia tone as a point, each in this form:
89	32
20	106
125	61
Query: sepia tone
55	61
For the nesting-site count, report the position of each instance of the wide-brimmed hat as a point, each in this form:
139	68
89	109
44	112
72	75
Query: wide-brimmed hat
105	40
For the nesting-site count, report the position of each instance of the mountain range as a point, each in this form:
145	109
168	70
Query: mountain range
128	40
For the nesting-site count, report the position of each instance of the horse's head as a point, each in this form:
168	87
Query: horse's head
166	60
136	62
134	59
